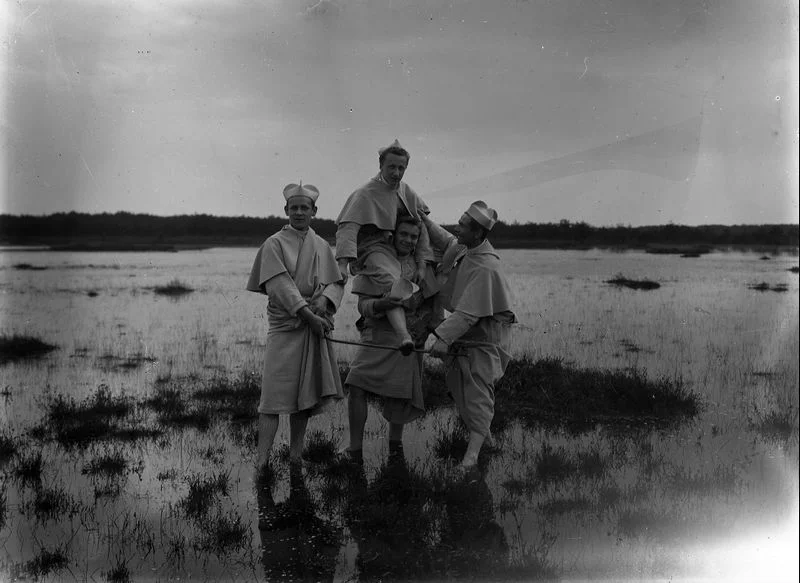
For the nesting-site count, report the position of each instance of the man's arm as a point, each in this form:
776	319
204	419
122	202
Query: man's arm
346	245
440	238
282	290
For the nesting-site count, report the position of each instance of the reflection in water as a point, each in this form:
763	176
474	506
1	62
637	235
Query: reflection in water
408	526
296	544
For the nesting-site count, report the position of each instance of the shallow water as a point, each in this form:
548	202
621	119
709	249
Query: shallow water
715	498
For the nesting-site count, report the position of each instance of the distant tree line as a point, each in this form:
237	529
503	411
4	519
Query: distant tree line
205	229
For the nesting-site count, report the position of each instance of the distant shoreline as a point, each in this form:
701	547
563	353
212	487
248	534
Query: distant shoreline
128	245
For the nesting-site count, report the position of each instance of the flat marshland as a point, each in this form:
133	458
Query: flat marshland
642	432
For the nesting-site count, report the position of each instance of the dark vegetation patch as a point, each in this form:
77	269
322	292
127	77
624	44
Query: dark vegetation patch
29	468
174	410
765	258
692	255
111	464
692	250
51	503
92	293
319	448
237	398
641	284
100	416
224	534
175	288
29	267
780	425
20	347
119	573
203	492
764	286
8	446
550	392
794	269
47	562
109	362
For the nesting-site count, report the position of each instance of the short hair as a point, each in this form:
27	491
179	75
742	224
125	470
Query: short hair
396	150
408	220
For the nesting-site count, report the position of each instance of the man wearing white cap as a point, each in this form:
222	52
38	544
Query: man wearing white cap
370	213
474	340
297	270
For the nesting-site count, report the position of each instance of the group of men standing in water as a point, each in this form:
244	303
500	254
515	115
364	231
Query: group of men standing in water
420	290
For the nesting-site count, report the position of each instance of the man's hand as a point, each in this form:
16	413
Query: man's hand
439	349
320	306
318	325
422	270
343	269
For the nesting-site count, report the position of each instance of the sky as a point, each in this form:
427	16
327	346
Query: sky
632	112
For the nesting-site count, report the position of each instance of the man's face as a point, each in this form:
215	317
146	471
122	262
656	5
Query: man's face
405	238
467	233
393	168
300	209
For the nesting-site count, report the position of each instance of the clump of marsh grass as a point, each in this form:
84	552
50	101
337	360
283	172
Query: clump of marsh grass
174	289
794	269
319	448
29	267
764	286
203	492
8	446
236	398
223	535
780	425
641	284
29	468
71	422
21	347
550	392
173	409
110	362
112	464
119	573
47	562
50	503
553	465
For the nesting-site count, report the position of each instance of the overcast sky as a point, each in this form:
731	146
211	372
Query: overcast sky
605	111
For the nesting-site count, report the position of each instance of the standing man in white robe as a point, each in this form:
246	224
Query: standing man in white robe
297	270
474	340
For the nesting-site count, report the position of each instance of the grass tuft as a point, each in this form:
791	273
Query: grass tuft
319	448
224	534
8	446
47	562
119	573
203	492
29	468
20	347
550	392
642	284
113	464
764	286
29	267
174	288
779	425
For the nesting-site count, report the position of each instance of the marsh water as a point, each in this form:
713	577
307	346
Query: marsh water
715	497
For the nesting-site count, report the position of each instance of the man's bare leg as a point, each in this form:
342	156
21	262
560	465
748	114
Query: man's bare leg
473	449
297	433
267	429
397	318
357	418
